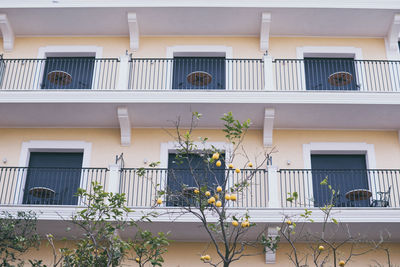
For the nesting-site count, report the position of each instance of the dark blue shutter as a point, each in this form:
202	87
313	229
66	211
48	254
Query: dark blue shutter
80	68
60	172
179	173
183	66
318	70
344	173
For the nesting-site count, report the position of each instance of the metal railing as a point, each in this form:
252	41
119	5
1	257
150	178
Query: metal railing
353	188
59	73
196	74
333	74
47	186
142	186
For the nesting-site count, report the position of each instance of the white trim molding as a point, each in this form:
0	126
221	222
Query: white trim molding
7	33
329	51
203	50
124	125
265	31
70	50
392	39
269	116
133	31
55	146
339	148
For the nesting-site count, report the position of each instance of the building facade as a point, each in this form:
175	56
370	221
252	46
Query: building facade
84	82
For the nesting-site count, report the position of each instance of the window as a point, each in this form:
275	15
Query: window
345	173
68	73
181	173
199	73
330	73
53	178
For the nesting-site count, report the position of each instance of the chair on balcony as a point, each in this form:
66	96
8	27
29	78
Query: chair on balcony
382	199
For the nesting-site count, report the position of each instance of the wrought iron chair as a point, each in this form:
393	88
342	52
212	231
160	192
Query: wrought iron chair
382	199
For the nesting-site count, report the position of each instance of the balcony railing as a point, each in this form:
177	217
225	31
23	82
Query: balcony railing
201	73
333	74
59	73
353	188
196	74
141	187
47	186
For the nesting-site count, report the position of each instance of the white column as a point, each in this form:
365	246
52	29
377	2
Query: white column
268	74
123	76
113	179
270	256
273	187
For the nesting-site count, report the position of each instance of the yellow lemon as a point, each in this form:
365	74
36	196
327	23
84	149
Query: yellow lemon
202	258
289	222
230	166
137	259
215	156
196	191
227	197
211	200
245	224
321	248
237	170
250	165
341	263
218	163
207	257
216	196
159	201
235	223
207	193
219	189
233	197
218	203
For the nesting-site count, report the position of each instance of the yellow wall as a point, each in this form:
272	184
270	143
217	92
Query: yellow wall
243	47
188	254
146	144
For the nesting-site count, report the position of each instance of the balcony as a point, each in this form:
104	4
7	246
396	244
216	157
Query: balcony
267	188
201	73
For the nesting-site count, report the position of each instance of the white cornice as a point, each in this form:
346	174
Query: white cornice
342	4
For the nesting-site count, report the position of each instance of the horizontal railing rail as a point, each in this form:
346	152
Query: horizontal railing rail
142	186
336	74
59	73
196	74
47	186
353	188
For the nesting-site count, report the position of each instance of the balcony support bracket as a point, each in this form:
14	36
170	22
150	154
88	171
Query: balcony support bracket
264	31
269	117
7	33
392	38
125	125
270	255
133	31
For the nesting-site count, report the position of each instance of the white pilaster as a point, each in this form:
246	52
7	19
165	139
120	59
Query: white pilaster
270	256
133	31
7	33
123	76
273	187
269	116
264	31
124	125
268	74
113	179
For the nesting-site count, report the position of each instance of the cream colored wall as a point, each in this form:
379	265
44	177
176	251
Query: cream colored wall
243	47
188	254
146	144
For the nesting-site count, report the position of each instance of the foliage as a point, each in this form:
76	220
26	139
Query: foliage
211	195
17	235
149	247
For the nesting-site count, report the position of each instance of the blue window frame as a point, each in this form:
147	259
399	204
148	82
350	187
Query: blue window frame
319	70
199	73
68	73
53	178
344	173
